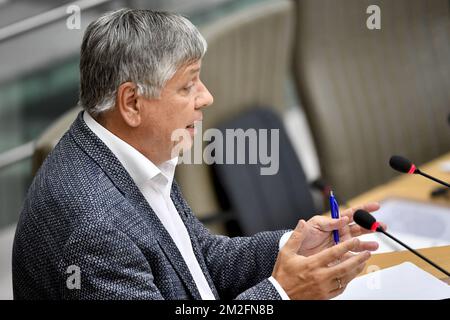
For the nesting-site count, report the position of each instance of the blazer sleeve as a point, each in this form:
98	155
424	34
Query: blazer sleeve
261	291
111	266
240	266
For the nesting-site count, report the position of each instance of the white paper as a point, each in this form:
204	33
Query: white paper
418	224
388	245
445	166
405	281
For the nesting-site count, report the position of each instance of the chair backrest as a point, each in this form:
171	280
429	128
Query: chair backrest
249	54
50	137
261	200
369	94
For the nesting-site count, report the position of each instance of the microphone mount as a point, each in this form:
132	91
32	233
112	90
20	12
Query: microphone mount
367	221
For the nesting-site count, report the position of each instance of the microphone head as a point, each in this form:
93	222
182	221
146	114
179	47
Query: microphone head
366	220
402	164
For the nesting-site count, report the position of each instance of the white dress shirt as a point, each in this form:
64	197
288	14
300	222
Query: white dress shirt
155	183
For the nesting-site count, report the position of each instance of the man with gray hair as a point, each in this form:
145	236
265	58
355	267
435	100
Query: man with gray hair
103	218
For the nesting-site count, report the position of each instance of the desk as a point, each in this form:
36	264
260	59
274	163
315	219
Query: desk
416	188
440	255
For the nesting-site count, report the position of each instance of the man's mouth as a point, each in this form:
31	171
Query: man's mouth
191	129
194	124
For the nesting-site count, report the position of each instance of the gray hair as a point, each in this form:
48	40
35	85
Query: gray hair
141	46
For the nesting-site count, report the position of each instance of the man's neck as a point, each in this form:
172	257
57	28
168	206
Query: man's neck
129	135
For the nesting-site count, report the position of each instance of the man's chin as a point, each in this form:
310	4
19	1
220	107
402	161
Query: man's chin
182	146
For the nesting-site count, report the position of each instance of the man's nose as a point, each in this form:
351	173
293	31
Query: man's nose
205	99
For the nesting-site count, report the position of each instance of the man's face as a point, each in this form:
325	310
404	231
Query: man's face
180	105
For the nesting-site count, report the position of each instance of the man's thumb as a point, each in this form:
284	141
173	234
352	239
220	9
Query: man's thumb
296	239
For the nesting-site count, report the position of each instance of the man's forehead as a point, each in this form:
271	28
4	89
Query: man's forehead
188	70
194	67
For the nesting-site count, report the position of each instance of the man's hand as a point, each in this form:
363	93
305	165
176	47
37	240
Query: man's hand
319	231
320	276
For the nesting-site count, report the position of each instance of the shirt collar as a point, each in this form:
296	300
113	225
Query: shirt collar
140	168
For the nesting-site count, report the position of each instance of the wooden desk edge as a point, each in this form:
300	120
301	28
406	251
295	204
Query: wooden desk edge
439	255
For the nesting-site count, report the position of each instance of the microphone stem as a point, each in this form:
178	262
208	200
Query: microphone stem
414	251
433	178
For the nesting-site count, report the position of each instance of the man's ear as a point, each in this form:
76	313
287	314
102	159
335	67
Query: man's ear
127	104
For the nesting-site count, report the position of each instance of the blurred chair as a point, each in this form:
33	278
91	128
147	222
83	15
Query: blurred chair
263	202
249	54
369	94
50	137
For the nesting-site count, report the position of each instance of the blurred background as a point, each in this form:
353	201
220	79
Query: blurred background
345	97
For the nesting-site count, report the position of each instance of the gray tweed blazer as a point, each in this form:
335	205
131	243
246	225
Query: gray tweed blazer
84	210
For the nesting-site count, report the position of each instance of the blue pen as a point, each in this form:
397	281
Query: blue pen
334	207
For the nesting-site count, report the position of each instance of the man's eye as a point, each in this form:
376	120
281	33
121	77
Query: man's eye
188	88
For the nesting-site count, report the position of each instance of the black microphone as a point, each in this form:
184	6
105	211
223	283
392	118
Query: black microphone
367	221
402	164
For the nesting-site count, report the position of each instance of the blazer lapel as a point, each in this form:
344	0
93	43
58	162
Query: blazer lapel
167	244
101	154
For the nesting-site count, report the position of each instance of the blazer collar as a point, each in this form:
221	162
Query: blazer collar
112	167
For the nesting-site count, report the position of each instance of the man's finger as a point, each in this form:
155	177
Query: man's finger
366	246
344	281
357	231
330	224
346	256
296	239
334	253
369	207
349	266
